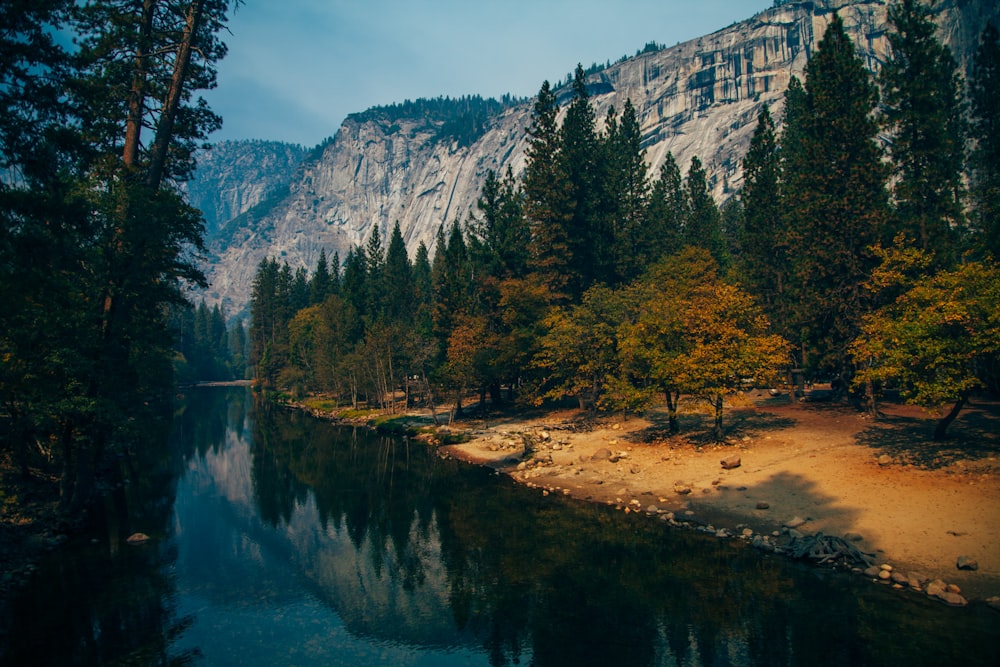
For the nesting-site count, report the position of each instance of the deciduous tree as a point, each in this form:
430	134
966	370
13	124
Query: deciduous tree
940	339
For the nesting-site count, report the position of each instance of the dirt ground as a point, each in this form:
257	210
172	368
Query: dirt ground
917	505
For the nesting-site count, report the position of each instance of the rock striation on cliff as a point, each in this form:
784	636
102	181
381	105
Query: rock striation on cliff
696	98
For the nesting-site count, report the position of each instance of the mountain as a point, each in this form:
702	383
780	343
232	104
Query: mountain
407	163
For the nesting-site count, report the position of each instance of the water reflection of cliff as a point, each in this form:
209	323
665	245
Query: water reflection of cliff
410	549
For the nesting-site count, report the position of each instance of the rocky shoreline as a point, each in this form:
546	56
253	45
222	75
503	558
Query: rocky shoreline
712	489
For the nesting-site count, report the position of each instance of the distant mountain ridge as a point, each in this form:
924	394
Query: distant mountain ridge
268	199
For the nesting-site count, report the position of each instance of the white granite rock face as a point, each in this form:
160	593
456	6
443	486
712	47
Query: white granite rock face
696	98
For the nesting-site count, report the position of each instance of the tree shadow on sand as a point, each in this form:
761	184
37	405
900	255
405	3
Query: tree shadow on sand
787	496
696	427
974	436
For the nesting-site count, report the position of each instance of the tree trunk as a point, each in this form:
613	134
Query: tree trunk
717	428
872	399
165	126
672	399
430	400
940	430
137	94
496	394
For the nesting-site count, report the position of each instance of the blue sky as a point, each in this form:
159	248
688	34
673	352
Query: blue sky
296	68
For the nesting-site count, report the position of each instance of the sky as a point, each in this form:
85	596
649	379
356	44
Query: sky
297	68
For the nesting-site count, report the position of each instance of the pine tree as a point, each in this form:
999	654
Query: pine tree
666	212
546	197
93	204
498	239
922	108
834	197
374	258
397	280
354	285
319	284
299	297
703	226
984	91
589	234
626	190
763	241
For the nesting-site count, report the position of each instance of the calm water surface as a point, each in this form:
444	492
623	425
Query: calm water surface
280	540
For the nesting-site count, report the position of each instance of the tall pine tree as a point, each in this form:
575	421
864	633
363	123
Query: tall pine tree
984	91
589	234
922	110
703	226
626	188
666	211
547	197
763	241
835	199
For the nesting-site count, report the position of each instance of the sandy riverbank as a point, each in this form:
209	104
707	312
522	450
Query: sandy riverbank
918	510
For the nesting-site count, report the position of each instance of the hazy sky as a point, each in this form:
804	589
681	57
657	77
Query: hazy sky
296	68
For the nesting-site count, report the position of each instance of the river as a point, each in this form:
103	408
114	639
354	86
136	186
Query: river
277	539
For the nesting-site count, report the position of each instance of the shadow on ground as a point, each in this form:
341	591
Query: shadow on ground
696	428
785	494
907	438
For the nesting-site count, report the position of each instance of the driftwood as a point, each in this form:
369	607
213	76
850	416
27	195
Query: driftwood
828	550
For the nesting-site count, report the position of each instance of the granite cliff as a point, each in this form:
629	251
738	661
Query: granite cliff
696	98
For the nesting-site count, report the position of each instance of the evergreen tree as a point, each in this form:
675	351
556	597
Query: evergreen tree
666	212
984	91
498	240
626	188
397	280
423	288
589	235
763	242
835	199
96	240
374	256
547	197
269	316
320	283
354	285
922	108
703	226
299	297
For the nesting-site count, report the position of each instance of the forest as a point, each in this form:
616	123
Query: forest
100	121
861	249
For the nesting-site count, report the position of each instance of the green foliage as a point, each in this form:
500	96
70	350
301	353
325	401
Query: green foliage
588	279
984	93
578	354
703	226
940	339
923	111
763	260
97	241
834	198
463	120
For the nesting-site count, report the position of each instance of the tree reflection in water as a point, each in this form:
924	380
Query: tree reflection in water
282	539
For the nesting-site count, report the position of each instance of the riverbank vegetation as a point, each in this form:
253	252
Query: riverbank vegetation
588	277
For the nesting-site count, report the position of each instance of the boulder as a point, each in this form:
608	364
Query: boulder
731	462
602	454
967	563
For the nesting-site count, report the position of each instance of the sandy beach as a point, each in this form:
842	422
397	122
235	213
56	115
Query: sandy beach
884	485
